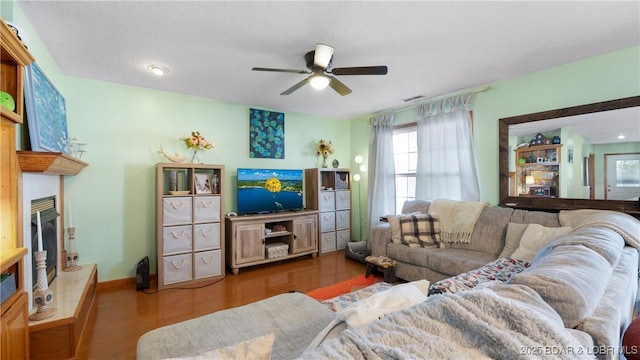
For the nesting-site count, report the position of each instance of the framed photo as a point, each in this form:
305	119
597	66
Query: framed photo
46	112
202	184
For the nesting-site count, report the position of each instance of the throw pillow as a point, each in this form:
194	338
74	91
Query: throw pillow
512	239
394	224
421	230
258	348
534	238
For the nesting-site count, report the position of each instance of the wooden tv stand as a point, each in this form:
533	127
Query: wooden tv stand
247	235
58	337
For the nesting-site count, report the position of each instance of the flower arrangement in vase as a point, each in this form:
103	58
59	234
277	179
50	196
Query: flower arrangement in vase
324	149
197	142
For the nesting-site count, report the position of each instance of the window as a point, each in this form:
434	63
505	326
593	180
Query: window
405	152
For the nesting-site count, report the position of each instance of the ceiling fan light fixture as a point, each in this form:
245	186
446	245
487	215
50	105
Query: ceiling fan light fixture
319	81
323	55
158	69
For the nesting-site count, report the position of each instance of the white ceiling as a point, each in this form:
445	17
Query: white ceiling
431	47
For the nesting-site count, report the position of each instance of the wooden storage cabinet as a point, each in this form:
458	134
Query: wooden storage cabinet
15	329
189	224
59	337
14	311
329	192
247	237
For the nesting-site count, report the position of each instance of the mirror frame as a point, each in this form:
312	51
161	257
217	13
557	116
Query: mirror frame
557	204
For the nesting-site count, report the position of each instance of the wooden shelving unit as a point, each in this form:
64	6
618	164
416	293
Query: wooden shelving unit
189	226
14	321
542	164
329	192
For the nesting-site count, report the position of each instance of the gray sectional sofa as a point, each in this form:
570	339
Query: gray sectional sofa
574	301
433	264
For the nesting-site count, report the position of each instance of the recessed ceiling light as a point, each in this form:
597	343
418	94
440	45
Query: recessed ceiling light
620	137
158	69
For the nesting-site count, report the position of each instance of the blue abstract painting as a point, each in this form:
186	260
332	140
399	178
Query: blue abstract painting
266	134
46	112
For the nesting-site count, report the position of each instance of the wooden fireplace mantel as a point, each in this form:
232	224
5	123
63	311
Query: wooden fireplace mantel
52	163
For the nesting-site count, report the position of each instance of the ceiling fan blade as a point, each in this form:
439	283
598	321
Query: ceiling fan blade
360	70
323	55
338	86
281	70
295	87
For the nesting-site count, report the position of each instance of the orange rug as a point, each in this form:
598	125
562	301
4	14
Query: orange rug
344	287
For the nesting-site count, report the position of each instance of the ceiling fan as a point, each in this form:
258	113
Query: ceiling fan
318	61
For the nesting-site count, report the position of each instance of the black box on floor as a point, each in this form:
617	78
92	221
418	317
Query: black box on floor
142	274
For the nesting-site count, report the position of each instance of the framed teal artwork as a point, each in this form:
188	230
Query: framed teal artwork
46	112
266	134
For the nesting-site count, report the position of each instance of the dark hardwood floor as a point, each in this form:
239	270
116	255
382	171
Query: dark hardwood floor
120	314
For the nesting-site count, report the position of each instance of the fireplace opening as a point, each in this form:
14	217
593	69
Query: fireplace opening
48	222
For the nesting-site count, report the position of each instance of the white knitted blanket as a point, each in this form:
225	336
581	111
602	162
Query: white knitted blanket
457	218
473	324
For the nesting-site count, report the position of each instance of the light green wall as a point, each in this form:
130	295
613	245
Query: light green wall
125	126
359	146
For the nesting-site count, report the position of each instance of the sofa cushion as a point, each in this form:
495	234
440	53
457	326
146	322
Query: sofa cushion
456	261
613	312
570	278
543	218
489	231
422	230
605	242
257	349
535	236
415	256
512	239
415	206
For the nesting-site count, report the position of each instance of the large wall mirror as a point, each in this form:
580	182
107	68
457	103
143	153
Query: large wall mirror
585	156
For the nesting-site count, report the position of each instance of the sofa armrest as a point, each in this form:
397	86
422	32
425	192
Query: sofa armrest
380	237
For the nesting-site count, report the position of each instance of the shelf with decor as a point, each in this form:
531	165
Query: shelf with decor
538	170
14	310
189	205
329	192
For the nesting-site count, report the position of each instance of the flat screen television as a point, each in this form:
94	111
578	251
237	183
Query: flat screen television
269	190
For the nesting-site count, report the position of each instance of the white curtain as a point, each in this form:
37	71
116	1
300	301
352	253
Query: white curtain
382	180
446	162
